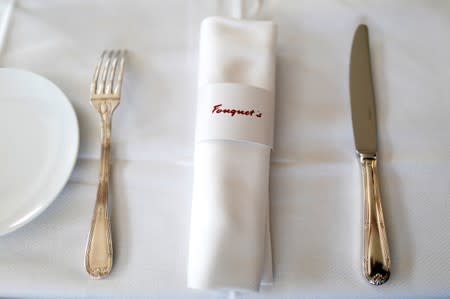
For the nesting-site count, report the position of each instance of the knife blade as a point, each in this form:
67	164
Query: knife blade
376	262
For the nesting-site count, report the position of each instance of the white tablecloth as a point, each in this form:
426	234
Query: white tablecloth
315	180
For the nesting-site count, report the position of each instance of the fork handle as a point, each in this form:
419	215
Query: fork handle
99	250
376	258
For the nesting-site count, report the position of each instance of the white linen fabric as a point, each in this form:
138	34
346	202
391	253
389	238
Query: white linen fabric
229	214
315	183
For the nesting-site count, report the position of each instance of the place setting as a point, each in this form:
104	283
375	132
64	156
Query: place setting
205	178
235	122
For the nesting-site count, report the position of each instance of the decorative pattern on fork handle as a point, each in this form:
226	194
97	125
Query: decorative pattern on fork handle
105	97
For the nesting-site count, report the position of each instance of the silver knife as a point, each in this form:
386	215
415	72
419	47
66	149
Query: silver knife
376	262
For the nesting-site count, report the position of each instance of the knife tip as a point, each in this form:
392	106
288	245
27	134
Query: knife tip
363	27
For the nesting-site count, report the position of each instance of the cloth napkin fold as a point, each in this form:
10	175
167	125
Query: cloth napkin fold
229	238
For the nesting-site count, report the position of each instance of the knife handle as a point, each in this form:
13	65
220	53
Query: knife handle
376	259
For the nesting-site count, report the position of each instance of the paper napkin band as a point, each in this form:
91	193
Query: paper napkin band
237	112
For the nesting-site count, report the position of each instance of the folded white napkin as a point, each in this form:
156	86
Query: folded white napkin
229	239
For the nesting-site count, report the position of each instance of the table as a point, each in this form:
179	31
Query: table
315	180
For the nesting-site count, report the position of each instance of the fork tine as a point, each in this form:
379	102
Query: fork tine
112	72
104	72
96	73
118	87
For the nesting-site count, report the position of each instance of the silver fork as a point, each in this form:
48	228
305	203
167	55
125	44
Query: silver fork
105	97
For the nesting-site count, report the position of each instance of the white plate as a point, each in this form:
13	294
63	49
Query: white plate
38	146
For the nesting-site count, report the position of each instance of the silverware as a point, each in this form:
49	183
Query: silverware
376	260
105	97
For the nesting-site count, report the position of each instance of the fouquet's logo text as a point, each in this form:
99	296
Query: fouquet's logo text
218	109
